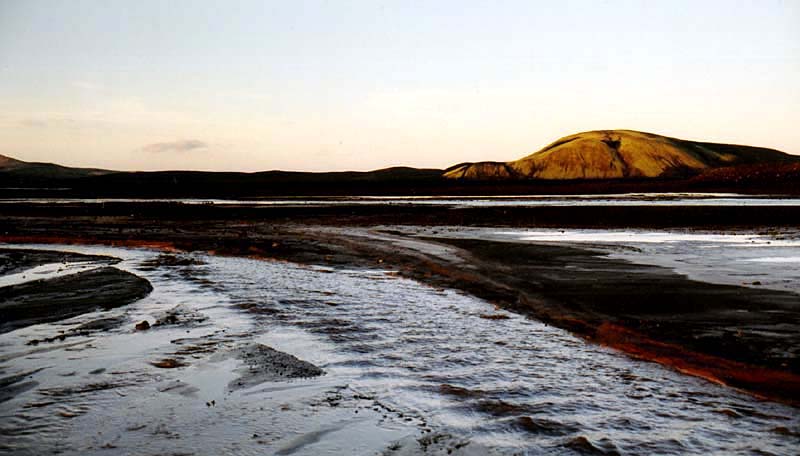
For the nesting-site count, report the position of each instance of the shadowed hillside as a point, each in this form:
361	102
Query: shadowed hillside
20	173
619	154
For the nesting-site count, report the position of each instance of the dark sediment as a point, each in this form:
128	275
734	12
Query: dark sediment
131	219
43	301
265	364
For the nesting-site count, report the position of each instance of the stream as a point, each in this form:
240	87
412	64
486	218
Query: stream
404	364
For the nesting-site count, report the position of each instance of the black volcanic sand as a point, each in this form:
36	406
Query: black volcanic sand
49	300
265	364
134	217
719	319
741	336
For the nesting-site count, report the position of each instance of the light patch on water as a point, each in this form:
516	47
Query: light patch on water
642	237
747	259
789	259
625	199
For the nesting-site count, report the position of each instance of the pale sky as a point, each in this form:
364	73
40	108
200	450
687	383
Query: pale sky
334	85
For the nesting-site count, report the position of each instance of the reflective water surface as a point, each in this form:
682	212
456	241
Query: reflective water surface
401	359
764	260
623	199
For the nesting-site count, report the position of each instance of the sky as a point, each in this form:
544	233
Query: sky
360	85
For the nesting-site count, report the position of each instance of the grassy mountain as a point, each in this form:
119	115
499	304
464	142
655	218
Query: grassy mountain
619	154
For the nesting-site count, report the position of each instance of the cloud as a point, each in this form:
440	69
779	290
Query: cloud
48	122
184	145
86	85
35	123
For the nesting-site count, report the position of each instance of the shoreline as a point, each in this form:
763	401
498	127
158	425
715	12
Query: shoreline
763	382
569	286
326	325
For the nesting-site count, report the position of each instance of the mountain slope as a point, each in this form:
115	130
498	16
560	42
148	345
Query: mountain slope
619	154
19	178
18	172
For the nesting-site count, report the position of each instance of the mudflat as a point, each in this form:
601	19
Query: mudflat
741	336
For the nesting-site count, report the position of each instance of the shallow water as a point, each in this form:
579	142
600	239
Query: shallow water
745	258
624	199
409	358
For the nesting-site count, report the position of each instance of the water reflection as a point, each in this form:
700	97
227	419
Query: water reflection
408	358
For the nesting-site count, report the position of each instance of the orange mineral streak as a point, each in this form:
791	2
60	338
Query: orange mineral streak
759	381
156	245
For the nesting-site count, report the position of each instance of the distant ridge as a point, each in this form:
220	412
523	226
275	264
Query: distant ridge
13	170
619	154
604	161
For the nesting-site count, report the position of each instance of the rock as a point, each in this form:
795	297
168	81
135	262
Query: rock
142	325
494	317
168	363
263	364
58	298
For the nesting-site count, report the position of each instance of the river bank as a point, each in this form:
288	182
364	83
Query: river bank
738	335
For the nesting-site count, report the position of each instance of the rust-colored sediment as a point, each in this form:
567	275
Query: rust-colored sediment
759	381
157	245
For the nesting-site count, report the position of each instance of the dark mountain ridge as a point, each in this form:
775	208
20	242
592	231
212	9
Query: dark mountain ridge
605	161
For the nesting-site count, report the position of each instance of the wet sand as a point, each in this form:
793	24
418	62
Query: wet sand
649	312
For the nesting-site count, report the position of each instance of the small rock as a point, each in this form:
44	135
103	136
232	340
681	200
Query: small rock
494	317
168	363
142	325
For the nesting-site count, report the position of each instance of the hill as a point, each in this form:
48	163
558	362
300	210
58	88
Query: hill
27	179
20	173
606	161
619	154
